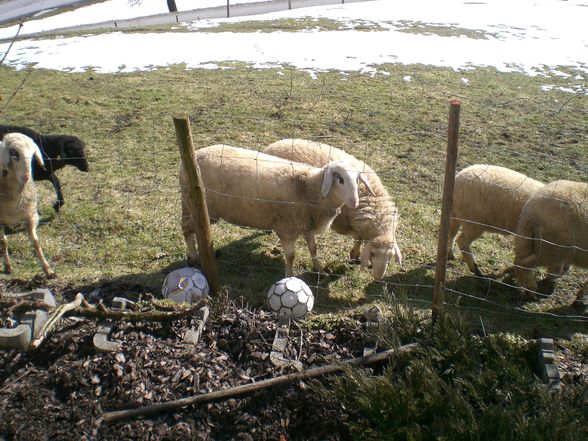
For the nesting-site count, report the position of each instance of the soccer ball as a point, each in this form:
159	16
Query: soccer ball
290	297
185	285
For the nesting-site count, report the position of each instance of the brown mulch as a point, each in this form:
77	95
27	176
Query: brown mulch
60	391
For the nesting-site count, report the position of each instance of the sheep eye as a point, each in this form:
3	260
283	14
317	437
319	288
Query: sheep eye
339	178
14	154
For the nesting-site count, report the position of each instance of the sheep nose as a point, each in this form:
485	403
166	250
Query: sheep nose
353	203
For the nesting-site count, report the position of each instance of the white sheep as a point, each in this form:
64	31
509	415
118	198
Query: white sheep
253	189
552	232
486	198
18	195
373	221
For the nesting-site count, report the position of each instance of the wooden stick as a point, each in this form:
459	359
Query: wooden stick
197	196
54	319
252	387
15	306
447	204
103	312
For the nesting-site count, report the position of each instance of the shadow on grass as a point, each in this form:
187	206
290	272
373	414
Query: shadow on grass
413	287
246	268
495	305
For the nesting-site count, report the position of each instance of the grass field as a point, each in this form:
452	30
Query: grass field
120	226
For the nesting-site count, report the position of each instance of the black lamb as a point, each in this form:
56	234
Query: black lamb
58	151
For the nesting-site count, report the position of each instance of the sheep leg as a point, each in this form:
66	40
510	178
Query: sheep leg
4	250
469	233
582	297
189	235
59	195
525	275
311	242
556	271
289	247
32	230
355	252
527	249
453	230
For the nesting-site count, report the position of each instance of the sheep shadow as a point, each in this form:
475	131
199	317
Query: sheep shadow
246	268
494	304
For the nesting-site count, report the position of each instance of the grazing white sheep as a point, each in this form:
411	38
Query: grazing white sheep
486	198
18	195
249	188
552	232
373	221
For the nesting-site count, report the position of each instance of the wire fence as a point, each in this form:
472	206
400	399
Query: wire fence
130	181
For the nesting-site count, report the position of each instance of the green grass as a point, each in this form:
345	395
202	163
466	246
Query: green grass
461	387
120	225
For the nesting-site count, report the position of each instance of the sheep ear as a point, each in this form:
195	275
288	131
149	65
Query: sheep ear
365	256
39	157
327	181
363	178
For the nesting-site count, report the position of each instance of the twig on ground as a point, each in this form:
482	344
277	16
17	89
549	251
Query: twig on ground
102	312
54	319
10	306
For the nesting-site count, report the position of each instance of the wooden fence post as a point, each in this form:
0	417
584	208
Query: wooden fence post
447	203
198	197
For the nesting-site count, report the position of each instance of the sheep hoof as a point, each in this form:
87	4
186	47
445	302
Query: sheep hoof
192	261
477	272
528	294
57	205
51	274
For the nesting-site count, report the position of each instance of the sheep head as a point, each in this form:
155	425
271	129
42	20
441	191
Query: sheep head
378	252
342	179
72	152
16	155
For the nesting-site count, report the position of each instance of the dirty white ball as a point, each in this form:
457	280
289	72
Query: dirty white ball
290	297
185	285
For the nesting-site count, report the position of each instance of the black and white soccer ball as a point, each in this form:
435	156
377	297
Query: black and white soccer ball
185	285
290	297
